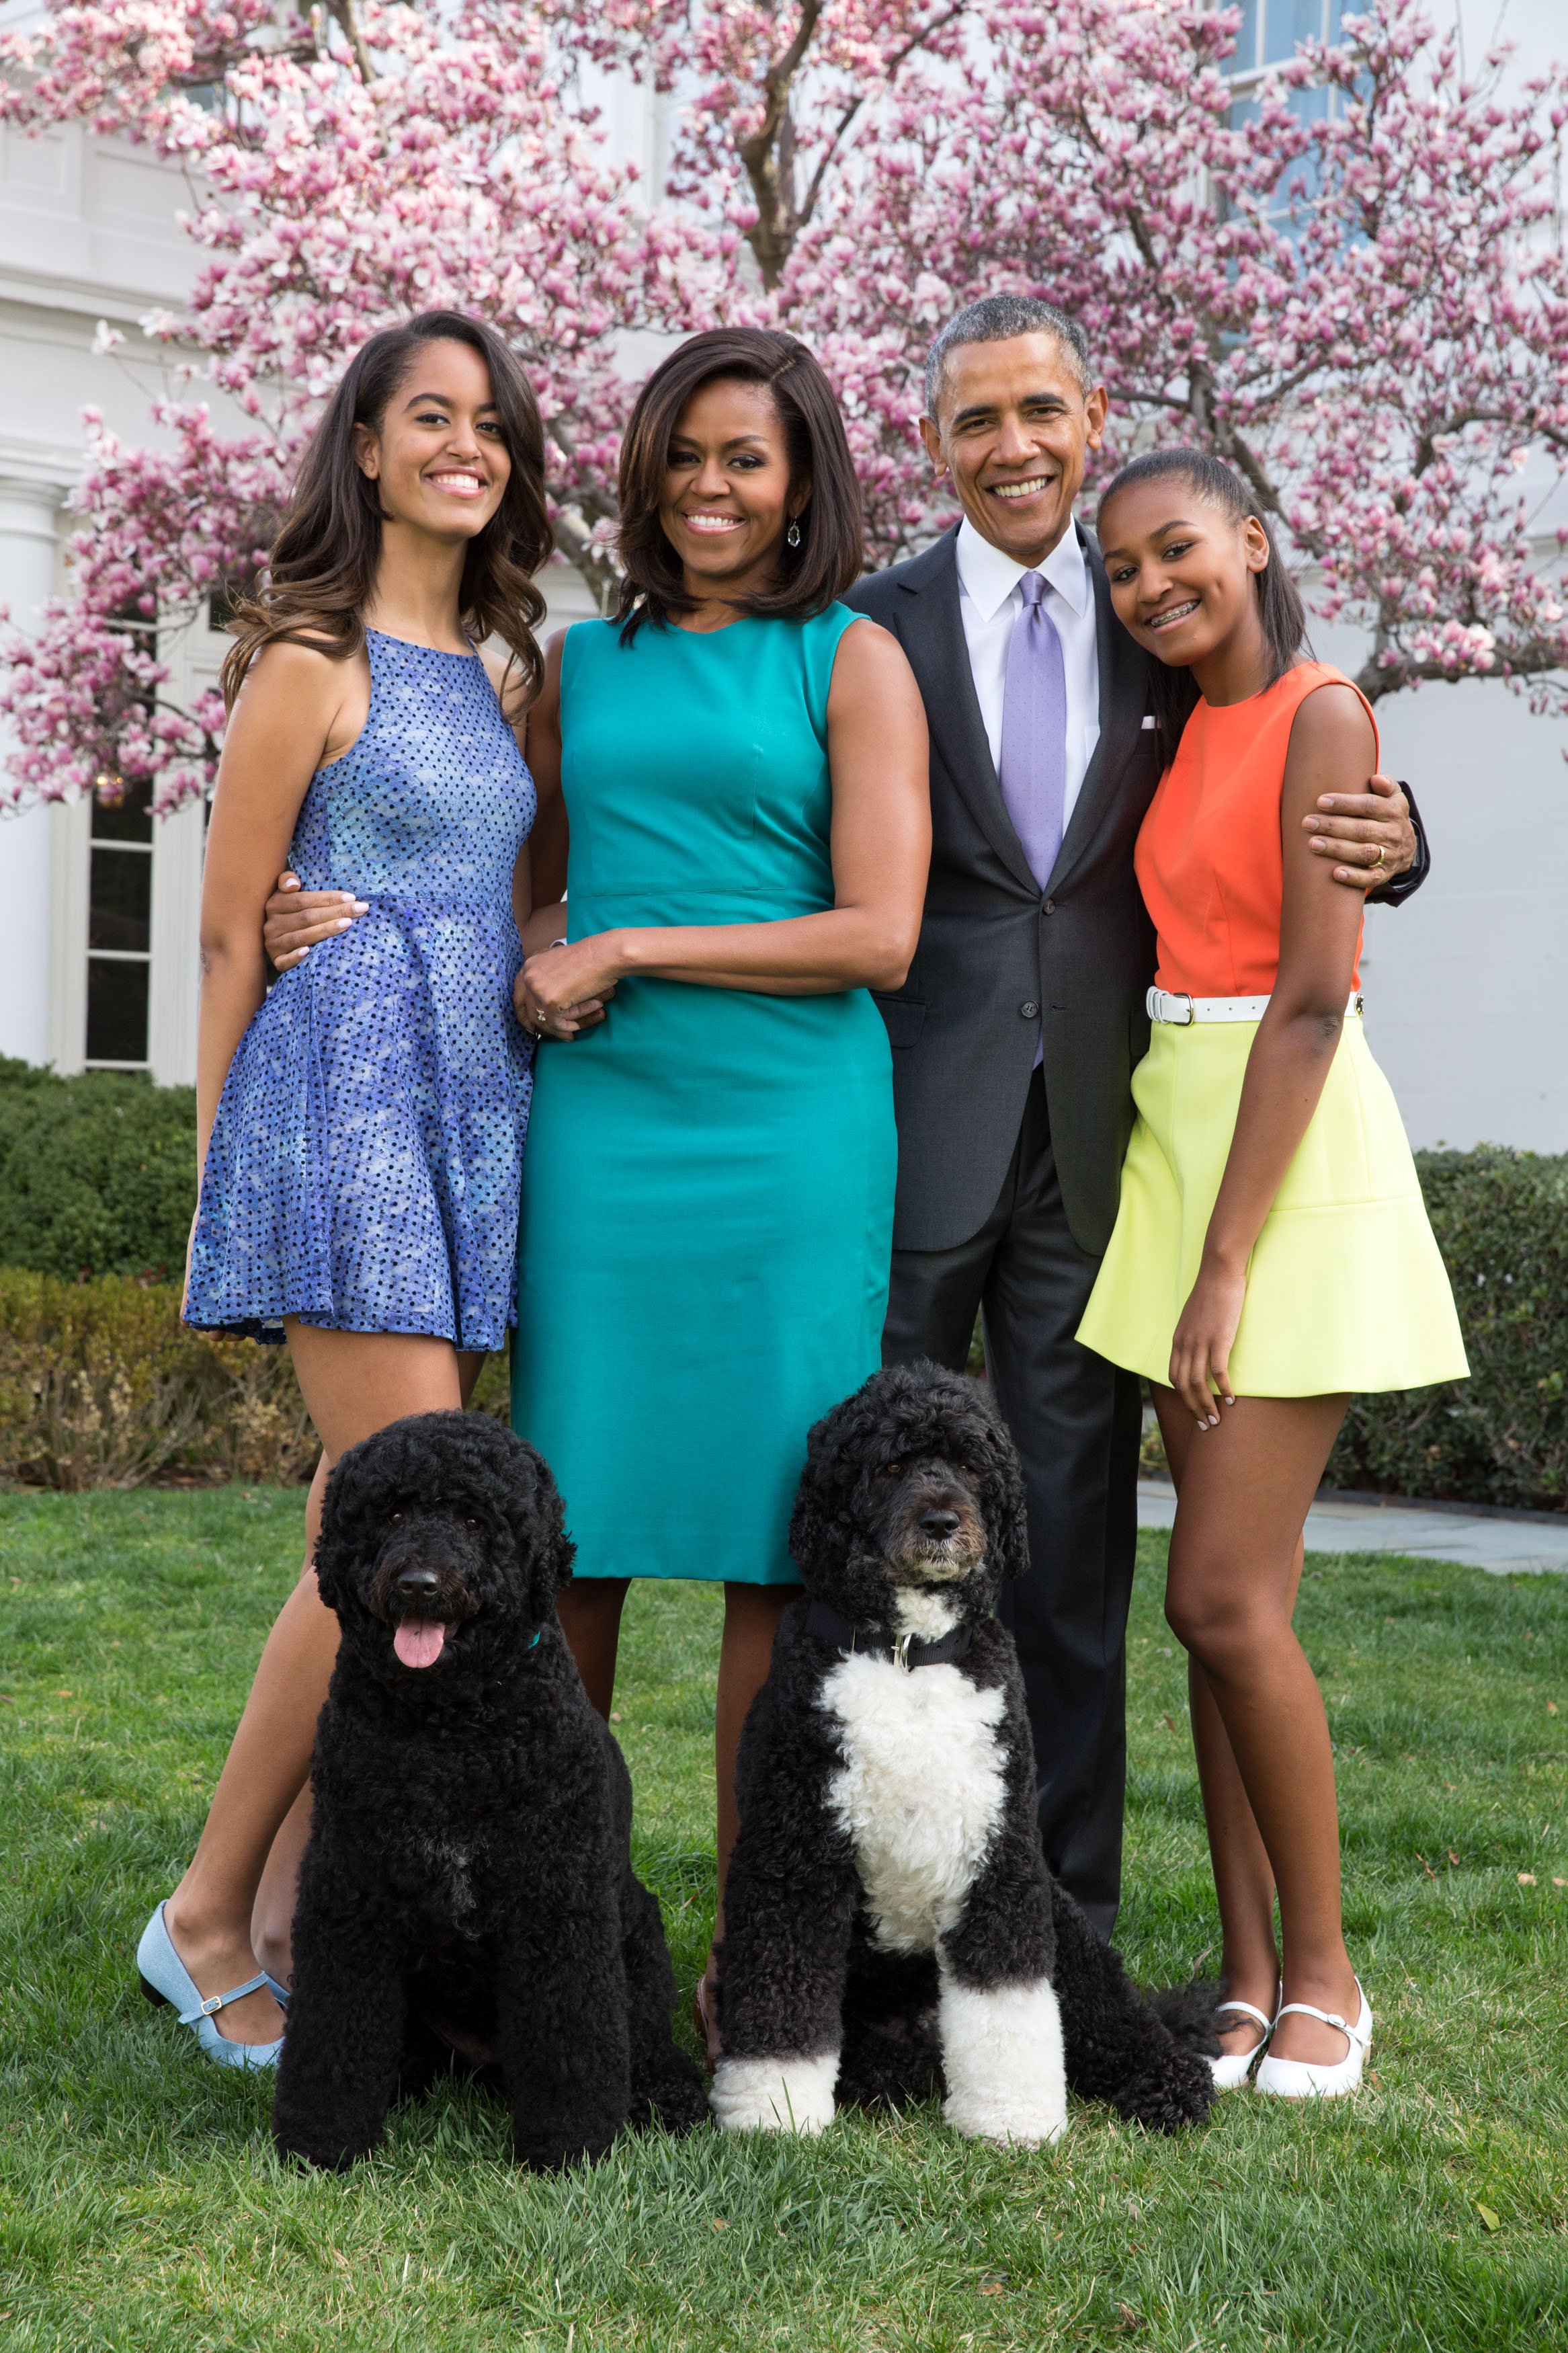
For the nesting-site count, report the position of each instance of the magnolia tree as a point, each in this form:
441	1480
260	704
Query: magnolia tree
1351	283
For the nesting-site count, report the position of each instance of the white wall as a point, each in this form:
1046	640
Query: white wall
1467	987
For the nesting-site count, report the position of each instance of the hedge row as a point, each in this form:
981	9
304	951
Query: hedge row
100	1384
97	1174
1501	1437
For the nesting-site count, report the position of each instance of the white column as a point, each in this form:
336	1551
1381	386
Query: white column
27	511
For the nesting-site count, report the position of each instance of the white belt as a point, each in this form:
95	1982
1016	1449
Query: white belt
1179	1009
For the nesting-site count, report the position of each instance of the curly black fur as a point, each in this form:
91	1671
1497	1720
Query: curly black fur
468	1885
911	1488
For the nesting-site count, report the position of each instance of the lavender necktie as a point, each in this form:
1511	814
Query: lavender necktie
1034	764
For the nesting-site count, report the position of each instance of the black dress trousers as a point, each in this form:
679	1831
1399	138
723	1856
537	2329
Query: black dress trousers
1076	1422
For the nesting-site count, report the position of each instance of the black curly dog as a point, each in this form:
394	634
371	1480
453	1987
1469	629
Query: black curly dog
890	1927
468	1885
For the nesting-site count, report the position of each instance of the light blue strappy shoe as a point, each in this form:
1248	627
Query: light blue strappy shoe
166	1980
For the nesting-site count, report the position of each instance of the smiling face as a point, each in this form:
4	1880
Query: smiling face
1182	574
728	497
439	456
1014	428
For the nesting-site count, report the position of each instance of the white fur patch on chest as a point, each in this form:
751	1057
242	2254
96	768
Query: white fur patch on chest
919	1791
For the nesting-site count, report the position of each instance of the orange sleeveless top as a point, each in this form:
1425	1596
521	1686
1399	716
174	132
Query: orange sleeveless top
1209	861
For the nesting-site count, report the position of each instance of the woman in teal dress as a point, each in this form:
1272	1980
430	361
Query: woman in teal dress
739	766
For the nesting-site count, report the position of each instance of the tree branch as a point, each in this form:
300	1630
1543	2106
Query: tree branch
347	20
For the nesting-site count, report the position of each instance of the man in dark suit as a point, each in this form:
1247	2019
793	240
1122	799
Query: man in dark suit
1016	1034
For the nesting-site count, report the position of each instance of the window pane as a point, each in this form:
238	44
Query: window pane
116	1011
129	819
1246	38
120	905
1287	24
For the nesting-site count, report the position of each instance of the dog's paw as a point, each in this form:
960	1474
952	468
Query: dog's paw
1002	2055
775	2094
539	2152
321	2156
1178	2092
669	2096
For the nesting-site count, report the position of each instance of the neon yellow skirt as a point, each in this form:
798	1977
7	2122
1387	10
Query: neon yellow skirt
1345	1288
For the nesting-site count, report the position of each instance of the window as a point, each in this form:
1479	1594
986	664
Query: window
120	930
1270	32
1273	30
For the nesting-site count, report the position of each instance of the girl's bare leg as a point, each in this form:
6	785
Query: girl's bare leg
751	1614
1243	1492
353	1383
590	1615
1244	1878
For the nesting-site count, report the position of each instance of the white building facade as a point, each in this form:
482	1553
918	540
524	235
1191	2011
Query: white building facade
98	906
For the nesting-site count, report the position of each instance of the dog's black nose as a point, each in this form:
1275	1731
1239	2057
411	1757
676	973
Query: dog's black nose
937	1523
416	1584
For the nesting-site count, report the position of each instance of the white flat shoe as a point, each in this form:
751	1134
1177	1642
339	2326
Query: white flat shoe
1304	2079
1230	2069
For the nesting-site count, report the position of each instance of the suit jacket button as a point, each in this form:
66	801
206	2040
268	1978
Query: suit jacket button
1030	1009
1050	906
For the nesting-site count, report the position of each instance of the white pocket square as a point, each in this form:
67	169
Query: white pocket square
1147	720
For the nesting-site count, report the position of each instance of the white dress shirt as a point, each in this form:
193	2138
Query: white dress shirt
989	602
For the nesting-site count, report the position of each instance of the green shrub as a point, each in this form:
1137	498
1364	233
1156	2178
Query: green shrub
102	1385
97	1174
1501	1437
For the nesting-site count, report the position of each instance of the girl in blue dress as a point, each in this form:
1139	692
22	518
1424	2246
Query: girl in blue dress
360	1127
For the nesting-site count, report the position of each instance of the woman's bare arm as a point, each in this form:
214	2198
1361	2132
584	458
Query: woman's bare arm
294	709
1332	746
543	920
879	757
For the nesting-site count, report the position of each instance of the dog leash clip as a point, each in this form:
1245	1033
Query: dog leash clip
901	1650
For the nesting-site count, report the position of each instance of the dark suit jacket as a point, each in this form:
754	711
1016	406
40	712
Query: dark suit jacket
998	958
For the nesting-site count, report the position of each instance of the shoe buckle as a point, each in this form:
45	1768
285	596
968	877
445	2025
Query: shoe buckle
213	2002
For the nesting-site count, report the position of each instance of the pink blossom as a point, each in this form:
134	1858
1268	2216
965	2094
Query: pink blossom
1362	305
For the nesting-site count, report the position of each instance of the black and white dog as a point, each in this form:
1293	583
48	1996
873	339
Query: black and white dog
467	1885
891	1926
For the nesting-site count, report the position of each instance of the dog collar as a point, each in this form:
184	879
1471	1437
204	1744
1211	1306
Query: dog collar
842	1634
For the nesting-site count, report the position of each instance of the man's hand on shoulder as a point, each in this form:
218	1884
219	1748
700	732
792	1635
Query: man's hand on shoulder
1369	835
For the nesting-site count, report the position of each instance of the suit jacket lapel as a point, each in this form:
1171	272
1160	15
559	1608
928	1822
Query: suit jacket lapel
1122	697
939	654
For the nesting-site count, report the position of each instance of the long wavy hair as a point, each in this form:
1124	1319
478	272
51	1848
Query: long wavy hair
324	565
1174	691
830	555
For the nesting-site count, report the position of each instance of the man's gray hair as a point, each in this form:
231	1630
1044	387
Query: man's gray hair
996	319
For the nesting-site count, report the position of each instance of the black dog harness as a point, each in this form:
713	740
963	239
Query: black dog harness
842	1634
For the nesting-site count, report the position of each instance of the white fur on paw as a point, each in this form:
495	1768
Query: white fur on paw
775	2094
1002	2055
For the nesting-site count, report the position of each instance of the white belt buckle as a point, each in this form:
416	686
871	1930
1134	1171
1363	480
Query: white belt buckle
1174	1007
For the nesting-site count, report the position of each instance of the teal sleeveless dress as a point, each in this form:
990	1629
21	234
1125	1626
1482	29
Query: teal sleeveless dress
708	1192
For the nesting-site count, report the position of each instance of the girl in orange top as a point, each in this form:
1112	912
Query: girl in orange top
1272	1251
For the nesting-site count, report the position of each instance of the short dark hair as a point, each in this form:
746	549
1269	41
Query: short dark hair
1279	606
323	563
831	554
996	319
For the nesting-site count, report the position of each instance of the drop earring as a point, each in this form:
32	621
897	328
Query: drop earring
792	536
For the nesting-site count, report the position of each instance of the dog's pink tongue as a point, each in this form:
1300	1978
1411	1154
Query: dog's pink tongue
417	1642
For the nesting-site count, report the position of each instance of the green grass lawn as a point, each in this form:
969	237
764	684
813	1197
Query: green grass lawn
141	2206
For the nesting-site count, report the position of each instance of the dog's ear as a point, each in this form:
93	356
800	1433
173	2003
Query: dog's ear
539	1529
349	1502
1001	1500
821	1528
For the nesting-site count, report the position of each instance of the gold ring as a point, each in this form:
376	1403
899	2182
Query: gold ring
1381	853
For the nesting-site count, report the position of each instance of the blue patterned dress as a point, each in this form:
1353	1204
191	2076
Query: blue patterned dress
364	1166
